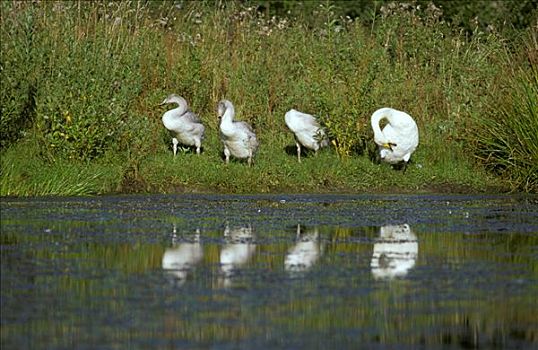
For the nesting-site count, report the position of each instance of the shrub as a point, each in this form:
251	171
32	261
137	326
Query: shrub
77	72
17	98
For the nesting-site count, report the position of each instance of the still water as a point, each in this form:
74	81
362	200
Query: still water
269	271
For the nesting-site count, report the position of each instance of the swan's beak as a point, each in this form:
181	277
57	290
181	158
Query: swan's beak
389	145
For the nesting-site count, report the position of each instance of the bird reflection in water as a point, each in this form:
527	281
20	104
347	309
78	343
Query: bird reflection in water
237	251
180	259
395	252
306	251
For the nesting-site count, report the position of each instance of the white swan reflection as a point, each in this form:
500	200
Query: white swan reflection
181	259
237	251
395	252
304	254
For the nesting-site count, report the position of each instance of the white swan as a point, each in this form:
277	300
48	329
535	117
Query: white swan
306	130
395	252
238	250
398	139
181	259
304	254
238	137
185	126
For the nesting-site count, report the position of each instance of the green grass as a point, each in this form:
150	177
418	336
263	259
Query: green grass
80	82
275	170
24	174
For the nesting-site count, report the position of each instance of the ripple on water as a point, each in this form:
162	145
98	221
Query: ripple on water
271	271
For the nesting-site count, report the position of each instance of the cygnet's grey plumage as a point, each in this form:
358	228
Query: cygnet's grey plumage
238	137
306	130
185	126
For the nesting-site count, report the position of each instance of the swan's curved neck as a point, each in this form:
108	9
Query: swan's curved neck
229	113
181	106
378	134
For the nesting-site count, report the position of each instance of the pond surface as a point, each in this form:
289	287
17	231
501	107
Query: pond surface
270	271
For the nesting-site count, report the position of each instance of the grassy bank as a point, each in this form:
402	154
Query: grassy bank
276	170
80	82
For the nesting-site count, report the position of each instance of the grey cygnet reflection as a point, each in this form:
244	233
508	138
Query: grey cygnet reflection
237	251
306	251
179	260
395	252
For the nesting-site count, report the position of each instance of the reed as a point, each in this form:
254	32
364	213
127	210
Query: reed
507	141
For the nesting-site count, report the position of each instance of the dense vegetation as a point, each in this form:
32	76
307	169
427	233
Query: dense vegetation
81	81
